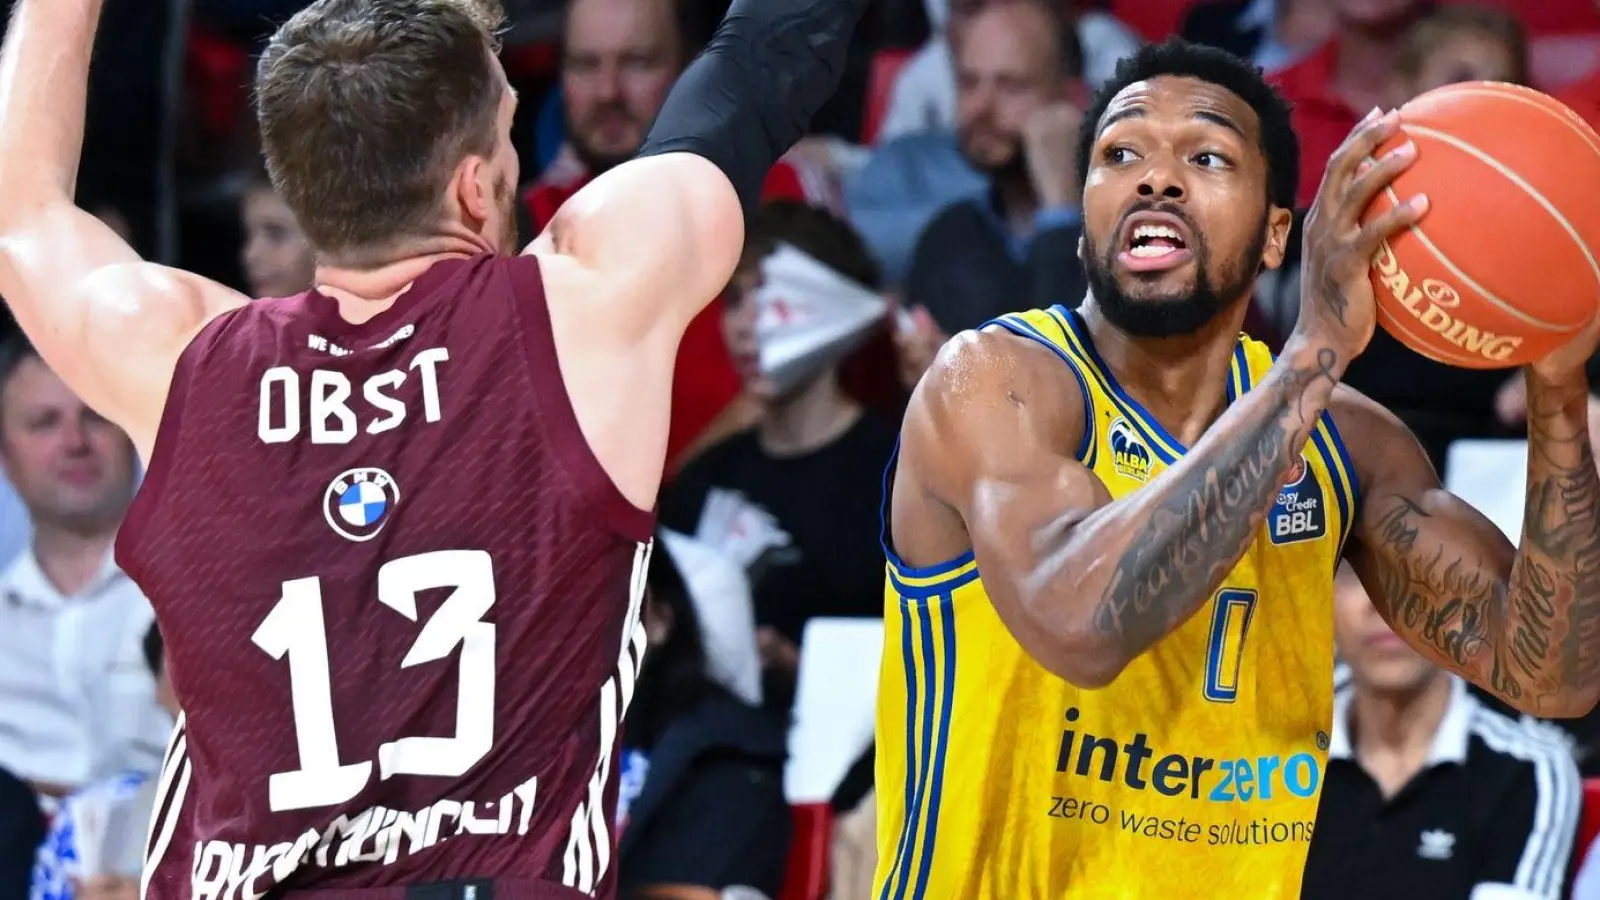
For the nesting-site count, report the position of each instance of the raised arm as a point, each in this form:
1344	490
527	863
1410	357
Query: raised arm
111	324
661	234
1524	624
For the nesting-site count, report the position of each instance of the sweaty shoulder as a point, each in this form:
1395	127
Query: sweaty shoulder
985	389
994	372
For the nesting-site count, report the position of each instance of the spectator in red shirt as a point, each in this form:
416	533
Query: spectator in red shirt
1333	88
619	59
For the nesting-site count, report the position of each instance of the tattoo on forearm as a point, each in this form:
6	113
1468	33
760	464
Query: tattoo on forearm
1206	522
1558	576
1448	601
1332	296
1534	636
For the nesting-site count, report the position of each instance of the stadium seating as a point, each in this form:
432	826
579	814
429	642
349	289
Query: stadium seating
809	859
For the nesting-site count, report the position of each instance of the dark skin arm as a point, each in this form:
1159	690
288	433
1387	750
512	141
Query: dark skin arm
1084	583
1524	624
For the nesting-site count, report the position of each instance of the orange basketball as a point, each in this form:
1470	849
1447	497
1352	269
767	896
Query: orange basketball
1503	268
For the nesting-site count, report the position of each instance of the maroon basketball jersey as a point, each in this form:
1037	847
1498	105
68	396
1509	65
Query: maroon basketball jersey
400	597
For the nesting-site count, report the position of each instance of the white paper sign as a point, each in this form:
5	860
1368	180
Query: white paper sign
809	317
835	705
720	593
1493	477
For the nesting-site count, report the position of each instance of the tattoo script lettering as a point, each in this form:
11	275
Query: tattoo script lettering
1197	534
1542	624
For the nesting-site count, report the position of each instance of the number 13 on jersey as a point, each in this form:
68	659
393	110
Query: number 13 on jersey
1231	611
295	629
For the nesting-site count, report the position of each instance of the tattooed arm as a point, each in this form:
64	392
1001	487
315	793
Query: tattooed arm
1524	624
1083	582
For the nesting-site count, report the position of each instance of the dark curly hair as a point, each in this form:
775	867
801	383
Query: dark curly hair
1181	58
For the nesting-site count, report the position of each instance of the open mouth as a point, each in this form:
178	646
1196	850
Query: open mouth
1154	241
1150	241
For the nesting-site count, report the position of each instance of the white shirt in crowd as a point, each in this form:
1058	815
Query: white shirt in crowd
15	530
77	700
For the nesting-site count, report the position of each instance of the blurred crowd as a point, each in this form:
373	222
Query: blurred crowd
938	190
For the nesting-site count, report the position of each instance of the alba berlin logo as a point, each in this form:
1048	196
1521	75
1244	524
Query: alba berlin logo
1431	302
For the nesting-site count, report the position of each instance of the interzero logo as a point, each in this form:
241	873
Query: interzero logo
1141	767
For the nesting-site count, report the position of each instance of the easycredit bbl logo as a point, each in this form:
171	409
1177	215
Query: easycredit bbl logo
1141	767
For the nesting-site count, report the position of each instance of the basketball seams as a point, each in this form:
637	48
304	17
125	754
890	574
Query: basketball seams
1538	101
1400	327
1539	198
1422	346
1467	280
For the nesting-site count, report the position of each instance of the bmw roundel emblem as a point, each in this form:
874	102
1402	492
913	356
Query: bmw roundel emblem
359	502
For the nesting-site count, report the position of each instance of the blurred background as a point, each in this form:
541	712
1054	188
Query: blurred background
937	190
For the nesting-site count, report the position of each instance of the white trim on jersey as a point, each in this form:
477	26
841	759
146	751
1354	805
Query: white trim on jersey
170	792
588	853
1542	869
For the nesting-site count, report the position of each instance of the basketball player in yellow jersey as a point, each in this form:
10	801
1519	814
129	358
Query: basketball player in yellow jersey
1113	531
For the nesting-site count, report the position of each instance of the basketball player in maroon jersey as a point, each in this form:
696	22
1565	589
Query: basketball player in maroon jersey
395	529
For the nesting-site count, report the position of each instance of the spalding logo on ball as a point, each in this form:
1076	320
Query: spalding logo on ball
359	502
1501	270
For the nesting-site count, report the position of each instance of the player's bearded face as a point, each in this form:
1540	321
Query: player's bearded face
1170	301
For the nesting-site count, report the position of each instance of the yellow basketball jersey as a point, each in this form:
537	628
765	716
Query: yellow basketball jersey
1195	774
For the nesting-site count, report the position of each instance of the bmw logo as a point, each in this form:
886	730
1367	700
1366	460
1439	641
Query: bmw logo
359	502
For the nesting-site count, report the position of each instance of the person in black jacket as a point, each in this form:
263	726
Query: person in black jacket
701	799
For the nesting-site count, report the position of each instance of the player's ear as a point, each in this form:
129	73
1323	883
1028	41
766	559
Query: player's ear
1279	223
1081	257
472	188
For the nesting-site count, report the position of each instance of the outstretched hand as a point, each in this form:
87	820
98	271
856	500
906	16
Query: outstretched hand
1337	307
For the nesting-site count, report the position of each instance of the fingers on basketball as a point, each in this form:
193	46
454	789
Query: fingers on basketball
1505	268
1375	175
1357	147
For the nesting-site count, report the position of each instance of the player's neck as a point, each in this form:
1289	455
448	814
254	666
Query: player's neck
810	419
70	559
1392	731
1181	380
364	292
